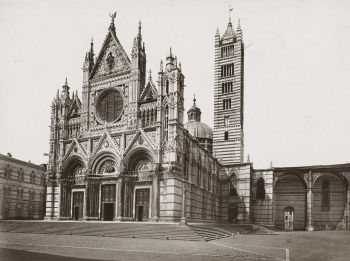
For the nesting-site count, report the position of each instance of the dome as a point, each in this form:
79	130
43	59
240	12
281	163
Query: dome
194	125
199	129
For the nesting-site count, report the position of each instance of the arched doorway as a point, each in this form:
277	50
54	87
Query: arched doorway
103	191
140	165
289	194
72	202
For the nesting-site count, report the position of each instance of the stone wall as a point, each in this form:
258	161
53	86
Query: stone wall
262	208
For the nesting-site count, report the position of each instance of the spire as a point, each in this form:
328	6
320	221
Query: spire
76	94
239	25
170	61
65	91
92	49
139	36
58	94
229	34
194	113
150	74
239	31
217	31
139	28
161	66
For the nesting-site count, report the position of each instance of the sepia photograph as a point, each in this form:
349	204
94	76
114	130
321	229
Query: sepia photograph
174	130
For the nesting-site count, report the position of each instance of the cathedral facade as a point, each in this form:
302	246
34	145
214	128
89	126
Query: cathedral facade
123	151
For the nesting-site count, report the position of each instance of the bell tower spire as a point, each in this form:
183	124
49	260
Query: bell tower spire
228	138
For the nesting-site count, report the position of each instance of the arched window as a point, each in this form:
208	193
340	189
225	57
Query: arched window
325	198
166	120
199	174
226	135
232	190
260	189
167	87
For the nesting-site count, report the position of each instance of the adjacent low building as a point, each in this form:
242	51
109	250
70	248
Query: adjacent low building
22	189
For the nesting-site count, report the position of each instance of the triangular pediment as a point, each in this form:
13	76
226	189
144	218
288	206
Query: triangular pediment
74	110
140	139
111	59
75	149
106	142
149	92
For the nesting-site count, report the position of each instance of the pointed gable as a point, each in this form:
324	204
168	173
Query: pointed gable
112	57
106	142
75	149
149	92
75	108
140	139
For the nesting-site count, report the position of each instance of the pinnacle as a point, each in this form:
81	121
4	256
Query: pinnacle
66	82
239	25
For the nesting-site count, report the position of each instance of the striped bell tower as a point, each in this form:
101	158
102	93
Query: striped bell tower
228	138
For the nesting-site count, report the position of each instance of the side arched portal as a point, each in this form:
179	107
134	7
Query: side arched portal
289	192
141	190
71	204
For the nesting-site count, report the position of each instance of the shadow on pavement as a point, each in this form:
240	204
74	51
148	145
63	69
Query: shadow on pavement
21	255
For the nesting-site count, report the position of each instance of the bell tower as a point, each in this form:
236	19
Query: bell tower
228	138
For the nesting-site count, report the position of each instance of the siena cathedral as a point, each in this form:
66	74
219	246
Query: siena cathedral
123	151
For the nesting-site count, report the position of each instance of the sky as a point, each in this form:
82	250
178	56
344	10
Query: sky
297	67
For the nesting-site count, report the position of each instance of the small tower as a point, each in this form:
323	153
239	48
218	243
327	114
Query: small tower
87	69
138	67
171	90
228	142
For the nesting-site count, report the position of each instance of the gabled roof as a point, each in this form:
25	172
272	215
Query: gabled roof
112	45
149	92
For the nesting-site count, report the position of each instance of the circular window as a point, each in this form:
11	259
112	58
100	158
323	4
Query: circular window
110	106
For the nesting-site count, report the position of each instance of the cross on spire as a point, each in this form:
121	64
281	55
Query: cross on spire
230	9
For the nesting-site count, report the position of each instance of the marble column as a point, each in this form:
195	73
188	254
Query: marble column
85	212
183	216
348	207
155	199
309	226
119	204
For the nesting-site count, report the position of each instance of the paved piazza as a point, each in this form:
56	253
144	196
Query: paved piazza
325	245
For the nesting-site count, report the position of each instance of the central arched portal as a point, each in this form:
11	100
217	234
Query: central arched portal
103	189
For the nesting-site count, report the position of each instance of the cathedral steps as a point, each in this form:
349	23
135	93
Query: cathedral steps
103	229
210	231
